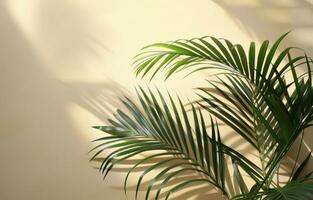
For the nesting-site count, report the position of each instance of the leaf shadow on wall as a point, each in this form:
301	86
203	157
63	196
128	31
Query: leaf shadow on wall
196	191
43	157
266	19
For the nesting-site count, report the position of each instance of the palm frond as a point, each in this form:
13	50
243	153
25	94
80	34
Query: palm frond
264	97
302	189
161	131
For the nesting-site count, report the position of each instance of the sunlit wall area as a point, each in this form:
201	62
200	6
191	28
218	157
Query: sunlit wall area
65	63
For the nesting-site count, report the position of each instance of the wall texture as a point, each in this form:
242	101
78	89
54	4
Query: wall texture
64	63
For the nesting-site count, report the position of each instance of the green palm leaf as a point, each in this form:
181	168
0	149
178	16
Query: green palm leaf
293	191
162	132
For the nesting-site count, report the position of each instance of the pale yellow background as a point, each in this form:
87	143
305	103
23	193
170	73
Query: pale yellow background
64	63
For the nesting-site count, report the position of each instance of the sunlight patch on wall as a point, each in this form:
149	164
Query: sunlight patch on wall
84	120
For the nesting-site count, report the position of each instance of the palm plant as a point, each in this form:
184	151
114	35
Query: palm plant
262	94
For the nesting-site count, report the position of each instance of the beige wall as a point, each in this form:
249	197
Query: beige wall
63	63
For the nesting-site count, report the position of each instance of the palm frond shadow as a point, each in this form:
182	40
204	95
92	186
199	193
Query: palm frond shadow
245	14
204	190
100	99
196	193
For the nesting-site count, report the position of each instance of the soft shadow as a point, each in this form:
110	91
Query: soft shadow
100	99
266	19
36	127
